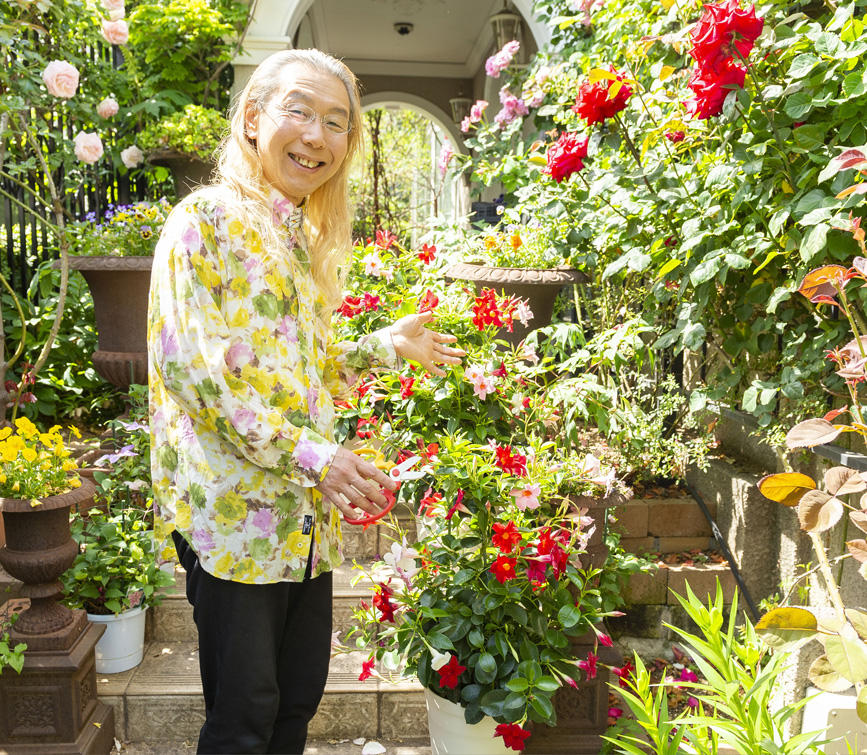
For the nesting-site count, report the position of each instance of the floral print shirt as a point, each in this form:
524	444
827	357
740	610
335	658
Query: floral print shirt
242	371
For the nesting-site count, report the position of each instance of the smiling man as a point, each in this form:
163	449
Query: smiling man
248	481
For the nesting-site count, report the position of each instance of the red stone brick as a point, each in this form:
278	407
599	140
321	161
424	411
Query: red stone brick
680	517
632	518
702	580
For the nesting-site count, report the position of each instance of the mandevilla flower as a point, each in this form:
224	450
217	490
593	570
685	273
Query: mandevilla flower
527	498
426	255
372	264
589	666
429	302
503	568
513	735
450	673
564	157
506	536
366	669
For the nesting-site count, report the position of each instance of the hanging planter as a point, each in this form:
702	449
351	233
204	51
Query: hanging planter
539	287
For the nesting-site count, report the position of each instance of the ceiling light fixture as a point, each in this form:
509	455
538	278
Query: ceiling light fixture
403	28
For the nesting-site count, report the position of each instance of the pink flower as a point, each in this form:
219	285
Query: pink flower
446	154
589	666
482	384
373	265
88	147
115	32
523	312
465	124
61	78
512	108
115	8
132	156
477	110
499	61
527	497
107	108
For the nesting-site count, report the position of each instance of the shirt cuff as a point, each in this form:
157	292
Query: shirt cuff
312	457
386	355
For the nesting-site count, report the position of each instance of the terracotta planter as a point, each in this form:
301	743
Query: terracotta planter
188	172
119	286
538	287
52	705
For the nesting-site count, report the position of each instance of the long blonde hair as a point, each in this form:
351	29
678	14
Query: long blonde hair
328	216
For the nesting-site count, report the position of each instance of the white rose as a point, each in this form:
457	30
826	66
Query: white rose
132	157
61	78
88	147
115	32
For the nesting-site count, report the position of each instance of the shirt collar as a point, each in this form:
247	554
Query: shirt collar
283	211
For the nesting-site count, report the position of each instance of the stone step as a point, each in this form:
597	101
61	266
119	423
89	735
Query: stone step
161	701
314	747
172	620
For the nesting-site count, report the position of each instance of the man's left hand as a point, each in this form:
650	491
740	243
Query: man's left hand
412	340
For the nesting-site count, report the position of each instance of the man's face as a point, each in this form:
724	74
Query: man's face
297	157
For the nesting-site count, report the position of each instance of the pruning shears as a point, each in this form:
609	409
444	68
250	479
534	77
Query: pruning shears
397	472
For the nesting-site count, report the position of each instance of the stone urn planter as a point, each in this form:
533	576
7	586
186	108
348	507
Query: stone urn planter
52	705
188	172
119	286
538	287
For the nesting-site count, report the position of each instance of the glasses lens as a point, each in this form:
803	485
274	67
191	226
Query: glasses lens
339	124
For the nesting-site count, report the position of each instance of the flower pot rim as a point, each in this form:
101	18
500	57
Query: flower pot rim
170	154
129	612
69	498
557	276
98	262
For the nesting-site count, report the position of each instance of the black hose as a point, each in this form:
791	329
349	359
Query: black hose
724	547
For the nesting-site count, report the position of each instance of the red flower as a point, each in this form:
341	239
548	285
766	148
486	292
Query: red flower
594	103
427	253
564	156
351	306
451	512
428	504
28	398
450	673
515	464
536	571
623	673
501	371
513	735
675	136
371	302
506	536
429	302
504	568
486	310
406	386
711	87
366	669
365	422
384	239
11	386
723	30
615	713
589	666
382	602
429	450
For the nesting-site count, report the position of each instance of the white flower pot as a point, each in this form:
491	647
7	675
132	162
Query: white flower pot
122	644
835	713
450	734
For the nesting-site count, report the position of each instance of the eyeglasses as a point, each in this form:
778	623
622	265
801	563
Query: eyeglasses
334	122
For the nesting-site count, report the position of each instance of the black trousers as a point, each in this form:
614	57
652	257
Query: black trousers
263	656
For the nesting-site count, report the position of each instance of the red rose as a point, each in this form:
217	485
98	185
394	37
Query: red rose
723	30
711	87
594	102
675	136
564	156
513	735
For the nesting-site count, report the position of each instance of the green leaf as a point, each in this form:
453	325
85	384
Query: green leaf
440	641
815	241
486	669
861	704
802	65
569	616
547	684
798	105
783	626
848	657
471	693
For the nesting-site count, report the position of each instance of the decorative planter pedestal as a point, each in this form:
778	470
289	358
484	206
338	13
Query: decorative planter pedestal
51	707
538	287
188	172
119	286
450	734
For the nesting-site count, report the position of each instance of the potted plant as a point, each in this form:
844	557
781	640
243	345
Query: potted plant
185	142
484	607
115	576
114	253
522	262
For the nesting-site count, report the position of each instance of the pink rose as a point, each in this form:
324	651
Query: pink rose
88	147
115	8
61	78
107	108
131	157
115	32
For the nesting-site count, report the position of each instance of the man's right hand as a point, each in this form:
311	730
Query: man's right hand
352	480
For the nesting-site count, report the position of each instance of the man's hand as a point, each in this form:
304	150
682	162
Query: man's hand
412	340
351	479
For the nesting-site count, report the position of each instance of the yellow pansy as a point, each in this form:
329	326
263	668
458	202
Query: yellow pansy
5	433
9	453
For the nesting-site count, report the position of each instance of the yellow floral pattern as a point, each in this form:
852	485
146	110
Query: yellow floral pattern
242	375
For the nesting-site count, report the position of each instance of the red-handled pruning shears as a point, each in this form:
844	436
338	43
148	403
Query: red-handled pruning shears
397	472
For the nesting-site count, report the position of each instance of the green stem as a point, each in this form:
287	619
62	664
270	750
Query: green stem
16	301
